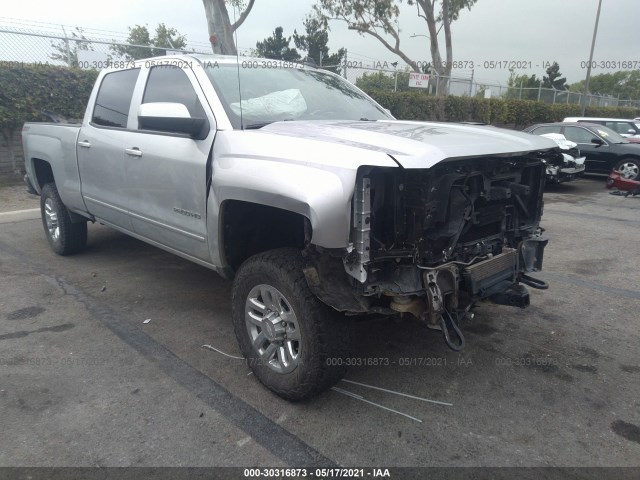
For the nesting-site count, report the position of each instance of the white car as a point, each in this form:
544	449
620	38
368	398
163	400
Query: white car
629	128
573	165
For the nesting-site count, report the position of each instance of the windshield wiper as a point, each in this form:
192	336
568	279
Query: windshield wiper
255	126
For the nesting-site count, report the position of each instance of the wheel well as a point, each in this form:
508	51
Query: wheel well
250	228
43	173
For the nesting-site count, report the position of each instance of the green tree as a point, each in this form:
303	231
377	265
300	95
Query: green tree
76	42
524	87
370	82
314	42
625	83
165	38
554	78
277	47
380	19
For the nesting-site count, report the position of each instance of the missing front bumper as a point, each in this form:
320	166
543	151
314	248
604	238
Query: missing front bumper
492	275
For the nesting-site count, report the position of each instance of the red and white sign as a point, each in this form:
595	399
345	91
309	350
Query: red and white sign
419	80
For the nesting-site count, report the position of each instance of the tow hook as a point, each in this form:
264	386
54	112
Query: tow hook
448	322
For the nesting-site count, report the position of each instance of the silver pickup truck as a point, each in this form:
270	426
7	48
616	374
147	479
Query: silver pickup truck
303	190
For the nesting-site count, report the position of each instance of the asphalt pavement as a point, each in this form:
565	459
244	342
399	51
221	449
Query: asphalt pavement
103	362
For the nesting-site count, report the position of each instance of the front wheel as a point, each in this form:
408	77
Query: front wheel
629	168
293	343
65	237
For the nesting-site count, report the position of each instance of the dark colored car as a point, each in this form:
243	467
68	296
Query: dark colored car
603	148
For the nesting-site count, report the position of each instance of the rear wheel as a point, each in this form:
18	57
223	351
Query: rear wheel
65	237
294	343
629	168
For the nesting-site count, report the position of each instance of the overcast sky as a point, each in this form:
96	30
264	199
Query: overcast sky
530	31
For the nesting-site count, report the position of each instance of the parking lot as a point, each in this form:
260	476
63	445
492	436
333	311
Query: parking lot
86	382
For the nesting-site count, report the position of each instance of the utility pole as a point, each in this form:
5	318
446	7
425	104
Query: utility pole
395	68
471	83
345	64
593	44
67	48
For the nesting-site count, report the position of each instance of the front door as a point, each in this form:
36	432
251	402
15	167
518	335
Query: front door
597	156
167	173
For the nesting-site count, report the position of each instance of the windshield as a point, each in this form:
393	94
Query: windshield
275	94
608	134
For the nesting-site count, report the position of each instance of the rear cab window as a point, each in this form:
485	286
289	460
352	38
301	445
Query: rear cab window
114	98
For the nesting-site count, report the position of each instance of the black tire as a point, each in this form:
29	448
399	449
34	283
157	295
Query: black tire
65	237
631	167
324	335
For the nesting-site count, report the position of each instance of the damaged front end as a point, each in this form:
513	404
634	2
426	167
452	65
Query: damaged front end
566	166
433	242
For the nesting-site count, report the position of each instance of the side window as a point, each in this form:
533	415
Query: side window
114	98
620	127
169	83
578	135
547	129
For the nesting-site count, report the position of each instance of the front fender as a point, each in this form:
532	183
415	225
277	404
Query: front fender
324	197
308	176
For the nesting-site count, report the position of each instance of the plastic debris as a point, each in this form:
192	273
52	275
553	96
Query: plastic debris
399	393
362	399
221	352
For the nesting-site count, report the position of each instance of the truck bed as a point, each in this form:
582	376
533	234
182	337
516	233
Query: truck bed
56	144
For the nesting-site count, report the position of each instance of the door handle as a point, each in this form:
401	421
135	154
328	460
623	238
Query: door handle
84	143
133	152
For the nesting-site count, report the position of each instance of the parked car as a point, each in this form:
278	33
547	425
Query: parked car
603	148
303	190
629	129
571	166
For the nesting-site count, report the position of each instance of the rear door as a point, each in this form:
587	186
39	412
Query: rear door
167	173
101	158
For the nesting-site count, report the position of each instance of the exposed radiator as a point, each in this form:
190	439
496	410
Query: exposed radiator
483	275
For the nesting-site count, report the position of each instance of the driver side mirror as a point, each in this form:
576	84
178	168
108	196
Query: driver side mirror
631	131
597	141
171	118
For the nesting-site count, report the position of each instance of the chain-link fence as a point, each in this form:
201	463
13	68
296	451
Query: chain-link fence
398	80
73	46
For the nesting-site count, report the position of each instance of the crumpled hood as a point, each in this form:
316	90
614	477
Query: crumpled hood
415	144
